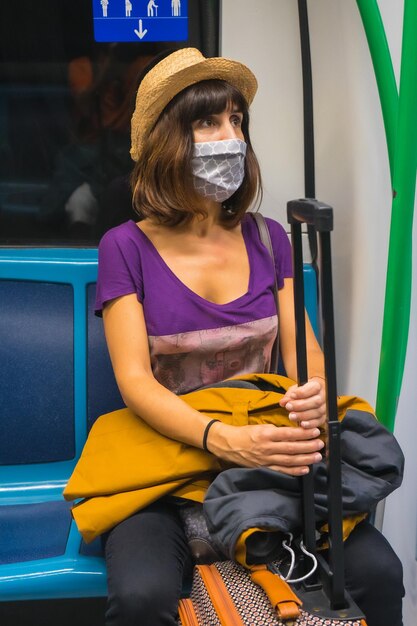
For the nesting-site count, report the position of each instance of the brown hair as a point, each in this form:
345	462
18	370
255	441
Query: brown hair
162	182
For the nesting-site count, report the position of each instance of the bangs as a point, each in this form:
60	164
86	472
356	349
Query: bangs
210	97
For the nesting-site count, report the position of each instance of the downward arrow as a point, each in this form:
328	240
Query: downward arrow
141	33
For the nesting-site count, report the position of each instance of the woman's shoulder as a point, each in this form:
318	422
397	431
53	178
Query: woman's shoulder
126	237
275	228
120	233
121	244
280	245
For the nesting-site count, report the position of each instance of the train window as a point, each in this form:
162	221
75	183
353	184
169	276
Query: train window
67	88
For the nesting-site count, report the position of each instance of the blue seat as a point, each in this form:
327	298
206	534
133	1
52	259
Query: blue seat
55	380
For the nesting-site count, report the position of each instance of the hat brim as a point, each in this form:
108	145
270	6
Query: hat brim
151	102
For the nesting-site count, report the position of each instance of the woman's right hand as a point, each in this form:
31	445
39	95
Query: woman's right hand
284	449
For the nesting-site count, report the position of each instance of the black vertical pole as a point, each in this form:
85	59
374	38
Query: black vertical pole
302	377
309	164
308	117
335	512
209	18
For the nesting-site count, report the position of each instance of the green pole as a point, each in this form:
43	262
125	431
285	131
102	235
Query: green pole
398	286
384	72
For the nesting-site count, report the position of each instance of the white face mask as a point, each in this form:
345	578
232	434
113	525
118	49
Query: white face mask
218	168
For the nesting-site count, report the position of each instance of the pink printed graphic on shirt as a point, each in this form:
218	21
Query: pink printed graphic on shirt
188	361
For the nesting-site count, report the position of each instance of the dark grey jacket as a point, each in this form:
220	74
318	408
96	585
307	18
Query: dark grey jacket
240	498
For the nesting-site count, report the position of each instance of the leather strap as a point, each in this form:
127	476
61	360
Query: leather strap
219	596
265	237
280	594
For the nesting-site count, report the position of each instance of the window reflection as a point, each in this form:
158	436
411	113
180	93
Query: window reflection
65	108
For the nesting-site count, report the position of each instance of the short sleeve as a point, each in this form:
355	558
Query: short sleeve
282	251
119	268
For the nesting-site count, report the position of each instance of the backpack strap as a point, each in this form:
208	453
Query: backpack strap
265	237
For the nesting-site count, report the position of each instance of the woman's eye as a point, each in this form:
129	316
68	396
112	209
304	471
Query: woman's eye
206	122
236	120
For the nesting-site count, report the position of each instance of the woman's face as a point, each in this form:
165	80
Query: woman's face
219	126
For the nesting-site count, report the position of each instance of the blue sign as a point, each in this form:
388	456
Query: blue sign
140	20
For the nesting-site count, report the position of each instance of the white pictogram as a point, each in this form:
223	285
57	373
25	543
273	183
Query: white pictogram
128	7
176	8
152	9
141	32
104	5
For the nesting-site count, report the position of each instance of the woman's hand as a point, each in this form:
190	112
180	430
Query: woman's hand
306	405
285	449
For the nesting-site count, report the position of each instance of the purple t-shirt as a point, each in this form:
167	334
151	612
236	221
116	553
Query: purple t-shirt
194	342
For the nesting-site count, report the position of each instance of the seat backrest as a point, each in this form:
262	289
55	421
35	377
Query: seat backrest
55	373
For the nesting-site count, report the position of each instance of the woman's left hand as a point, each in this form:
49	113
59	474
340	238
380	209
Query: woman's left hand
306	405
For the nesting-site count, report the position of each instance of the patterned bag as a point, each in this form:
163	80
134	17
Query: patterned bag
225	594
202	548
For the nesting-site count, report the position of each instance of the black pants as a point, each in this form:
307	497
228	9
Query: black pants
147	557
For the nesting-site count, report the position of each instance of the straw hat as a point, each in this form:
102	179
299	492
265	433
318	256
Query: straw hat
173	74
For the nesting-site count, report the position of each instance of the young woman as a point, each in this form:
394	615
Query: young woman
187	300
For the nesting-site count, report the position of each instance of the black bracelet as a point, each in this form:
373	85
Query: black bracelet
206	432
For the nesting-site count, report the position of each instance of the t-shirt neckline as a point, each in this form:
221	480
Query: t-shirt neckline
247	240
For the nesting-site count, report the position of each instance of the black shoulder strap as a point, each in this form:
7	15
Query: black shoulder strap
265	237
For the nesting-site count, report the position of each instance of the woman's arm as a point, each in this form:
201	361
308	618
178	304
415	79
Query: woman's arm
290	450
127	341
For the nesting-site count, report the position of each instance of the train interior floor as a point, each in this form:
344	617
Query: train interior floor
82	612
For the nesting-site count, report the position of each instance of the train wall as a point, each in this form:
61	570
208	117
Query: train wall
352	174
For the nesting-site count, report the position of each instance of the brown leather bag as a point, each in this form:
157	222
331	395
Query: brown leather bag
226	594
